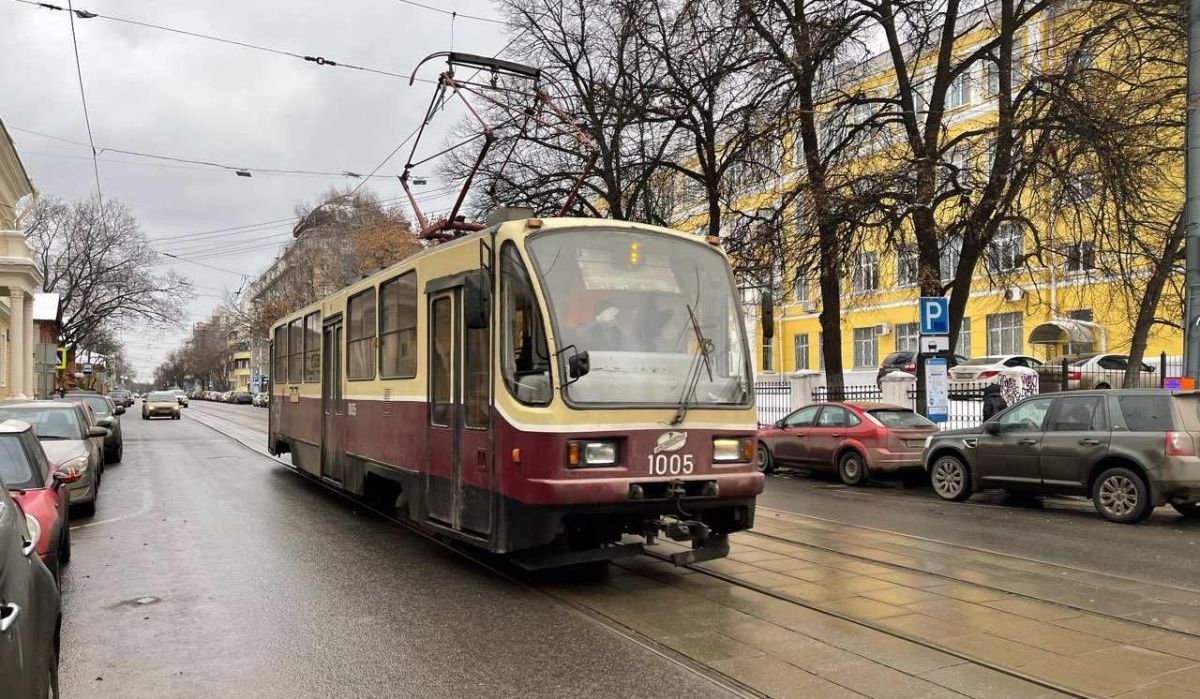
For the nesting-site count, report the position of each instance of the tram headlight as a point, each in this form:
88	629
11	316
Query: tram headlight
585	453
732	449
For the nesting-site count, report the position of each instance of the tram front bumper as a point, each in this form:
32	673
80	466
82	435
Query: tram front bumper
609	490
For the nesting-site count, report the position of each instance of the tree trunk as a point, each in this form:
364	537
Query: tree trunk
1148	304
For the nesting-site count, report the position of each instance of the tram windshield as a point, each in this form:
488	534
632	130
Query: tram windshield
627	298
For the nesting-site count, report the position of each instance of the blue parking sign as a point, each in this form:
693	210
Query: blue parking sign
935	315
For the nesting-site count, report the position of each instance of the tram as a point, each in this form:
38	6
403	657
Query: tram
557	389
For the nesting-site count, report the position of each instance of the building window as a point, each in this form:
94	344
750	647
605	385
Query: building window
360	336
768	354
296	351
312	348
960	167
866	272
800	287
908	336
398	327
866	348
1084	314
1006	251
959	92
821	351
951	251
800	351
1081	256
963	346
1005	333
906	266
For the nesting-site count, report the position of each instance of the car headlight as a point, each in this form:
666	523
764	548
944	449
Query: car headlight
79	463
584	453
35	528
732	449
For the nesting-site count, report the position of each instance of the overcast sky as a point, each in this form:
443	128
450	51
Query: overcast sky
157	92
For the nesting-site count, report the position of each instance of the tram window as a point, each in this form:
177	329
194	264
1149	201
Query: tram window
360	336
398	327
441	351
312	348
524	359
281	347
296	351
476	377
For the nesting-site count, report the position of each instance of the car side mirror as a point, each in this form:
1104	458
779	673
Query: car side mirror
67	475
778	424
579	365
120	410
991	427
97	432
105	422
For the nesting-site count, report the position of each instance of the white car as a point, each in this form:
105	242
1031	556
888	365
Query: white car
976	373
181	397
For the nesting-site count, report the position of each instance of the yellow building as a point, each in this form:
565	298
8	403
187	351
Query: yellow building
238	370
1065	305
19	279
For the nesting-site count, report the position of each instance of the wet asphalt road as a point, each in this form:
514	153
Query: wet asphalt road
1164	549
209	571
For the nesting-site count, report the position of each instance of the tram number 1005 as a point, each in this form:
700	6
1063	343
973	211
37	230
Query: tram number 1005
670	464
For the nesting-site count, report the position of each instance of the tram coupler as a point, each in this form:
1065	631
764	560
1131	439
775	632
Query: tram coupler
705	544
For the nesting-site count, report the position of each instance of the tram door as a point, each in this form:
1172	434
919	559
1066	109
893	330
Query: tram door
331	400
459	477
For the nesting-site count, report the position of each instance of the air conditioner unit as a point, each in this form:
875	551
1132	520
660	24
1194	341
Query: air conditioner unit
883	329
1014	293
809	306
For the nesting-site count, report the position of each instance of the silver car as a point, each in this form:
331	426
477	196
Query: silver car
1101	371
71	439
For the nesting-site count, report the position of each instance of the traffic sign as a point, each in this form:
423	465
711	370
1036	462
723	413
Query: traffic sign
62	358
935	315
932	344
937	394
87	369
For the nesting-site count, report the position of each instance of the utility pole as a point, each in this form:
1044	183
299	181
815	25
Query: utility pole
1191	333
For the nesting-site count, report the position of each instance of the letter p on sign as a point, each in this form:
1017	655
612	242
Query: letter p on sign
935	315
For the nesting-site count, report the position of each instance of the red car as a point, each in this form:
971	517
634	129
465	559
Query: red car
857	440
25	472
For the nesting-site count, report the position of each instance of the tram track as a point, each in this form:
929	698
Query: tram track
866	623
971	583
729	684
613	625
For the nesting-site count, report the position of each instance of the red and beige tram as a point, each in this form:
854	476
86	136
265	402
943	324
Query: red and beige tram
544	387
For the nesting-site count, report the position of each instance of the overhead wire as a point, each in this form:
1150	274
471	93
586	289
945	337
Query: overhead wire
87	120
454	13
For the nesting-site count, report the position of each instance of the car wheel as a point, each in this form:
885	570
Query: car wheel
1102	387
852	469
87	509
1120	495
763	459
950	477
1191	510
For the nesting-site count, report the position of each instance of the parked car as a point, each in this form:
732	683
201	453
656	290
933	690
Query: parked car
30	615
1100	371
108	415
227	397
72	440
160	404
241	398
40	490
121	397
1129	449
181	397
262	399
855	439
907	361
977	372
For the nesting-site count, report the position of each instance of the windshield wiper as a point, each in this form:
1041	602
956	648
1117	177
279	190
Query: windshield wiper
700	360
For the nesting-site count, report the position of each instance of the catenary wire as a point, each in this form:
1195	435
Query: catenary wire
87	120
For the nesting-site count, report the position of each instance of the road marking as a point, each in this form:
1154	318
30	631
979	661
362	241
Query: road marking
143	510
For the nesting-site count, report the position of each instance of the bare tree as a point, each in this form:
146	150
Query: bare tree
94	255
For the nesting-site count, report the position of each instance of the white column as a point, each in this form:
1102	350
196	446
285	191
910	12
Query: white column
896	386
18	361
803	382
30	387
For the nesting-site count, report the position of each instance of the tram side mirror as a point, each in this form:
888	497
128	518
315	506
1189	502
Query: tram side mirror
579	365
477	301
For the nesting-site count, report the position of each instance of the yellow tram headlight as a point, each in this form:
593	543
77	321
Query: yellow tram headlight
590	453
732	449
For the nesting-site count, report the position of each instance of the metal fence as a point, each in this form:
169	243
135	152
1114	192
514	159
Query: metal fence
965	407
864	393
773	399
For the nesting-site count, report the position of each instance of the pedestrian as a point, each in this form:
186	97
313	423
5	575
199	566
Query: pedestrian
993	400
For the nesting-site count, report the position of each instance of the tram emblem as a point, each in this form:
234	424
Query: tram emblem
670	441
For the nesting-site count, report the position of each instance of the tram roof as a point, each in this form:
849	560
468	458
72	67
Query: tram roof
522	227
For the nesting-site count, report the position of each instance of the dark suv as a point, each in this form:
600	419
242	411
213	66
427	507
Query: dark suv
907	361
1129	449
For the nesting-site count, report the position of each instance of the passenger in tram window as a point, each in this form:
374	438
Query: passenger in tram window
602	332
